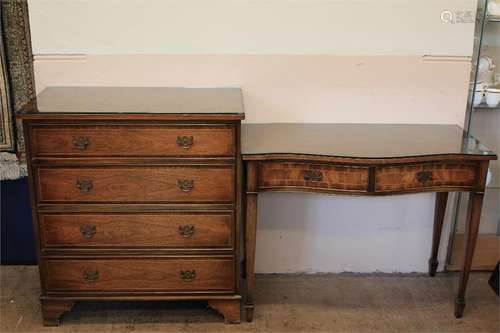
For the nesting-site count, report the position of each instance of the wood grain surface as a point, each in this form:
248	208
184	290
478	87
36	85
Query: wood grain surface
140	274
133	140
302	175
358	141
136	184
138	100
405	177
172	230
136	195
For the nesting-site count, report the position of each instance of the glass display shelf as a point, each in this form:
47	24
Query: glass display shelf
483	106
493	19
481	121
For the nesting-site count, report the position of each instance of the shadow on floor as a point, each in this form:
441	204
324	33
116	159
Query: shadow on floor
284	303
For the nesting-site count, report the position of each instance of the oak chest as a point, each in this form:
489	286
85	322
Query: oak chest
135	195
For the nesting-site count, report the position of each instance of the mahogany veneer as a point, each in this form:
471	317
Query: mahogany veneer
133	140
136	195
185	183
365	160
426	176
189	230
290	176
175	275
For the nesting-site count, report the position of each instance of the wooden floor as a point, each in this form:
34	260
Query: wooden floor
485	256
285	303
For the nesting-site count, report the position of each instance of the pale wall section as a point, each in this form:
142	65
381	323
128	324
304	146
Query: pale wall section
293	88
315	233
365	27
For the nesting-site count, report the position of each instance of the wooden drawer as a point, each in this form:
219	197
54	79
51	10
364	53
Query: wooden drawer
171	230
133	140
141	274
424	176
317	176
149	184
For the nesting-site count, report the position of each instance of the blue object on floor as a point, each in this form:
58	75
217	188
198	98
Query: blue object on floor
494	280
17	238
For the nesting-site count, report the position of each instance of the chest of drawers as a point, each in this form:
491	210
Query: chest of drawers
135	195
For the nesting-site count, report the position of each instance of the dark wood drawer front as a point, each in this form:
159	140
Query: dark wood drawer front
425	175
133	140
317	176
136	184
141	274
176	230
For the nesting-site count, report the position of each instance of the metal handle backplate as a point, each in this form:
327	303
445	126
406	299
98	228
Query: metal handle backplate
84	186
188	276
88	230
424	176
90	276
186	231
186	142
186	185
81	142
313	175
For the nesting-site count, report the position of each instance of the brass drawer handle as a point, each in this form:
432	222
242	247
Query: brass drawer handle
81	142
188	276
88	230
313	175
90	276
186	185
84	186
424	176
186	142
186	231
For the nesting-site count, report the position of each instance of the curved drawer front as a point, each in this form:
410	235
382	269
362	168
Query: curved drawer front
197	184
171	230
141	274
133	140
317	176
425	175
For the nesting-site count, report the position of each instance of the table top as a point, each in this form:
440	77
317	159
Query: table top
137	100
370	141
175	103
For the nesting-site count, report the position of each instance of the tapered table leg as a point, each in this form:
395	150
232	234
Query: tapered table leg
439	211
250	234
471	230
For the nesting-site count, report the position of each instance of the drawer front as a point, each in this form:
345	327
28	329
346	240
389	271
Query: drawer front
425	175
176	230
179	184
141	274
317	176
133	140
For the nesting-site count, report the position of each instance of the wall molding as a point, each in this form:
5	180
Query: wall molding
446	58
60	57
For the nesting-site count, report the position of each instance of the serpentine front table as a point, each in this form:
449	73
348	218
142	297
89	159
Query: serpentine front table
364	159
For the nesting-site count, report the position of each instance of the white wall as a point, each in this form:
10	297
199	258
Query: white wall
296	60
394	27
311	233
291	88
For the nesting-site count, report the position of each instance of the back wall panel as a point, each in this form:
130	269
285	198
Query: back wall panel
289	88
396	27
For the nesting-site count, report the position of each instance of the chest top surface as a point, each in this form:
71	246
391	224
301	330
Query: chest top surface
359	140
124	102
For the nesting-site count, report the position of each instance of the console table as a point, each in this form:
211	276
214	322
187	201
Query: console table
358	159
